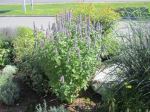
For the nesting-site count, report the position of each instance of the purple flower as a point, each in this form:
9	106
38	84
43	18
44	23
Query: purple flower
75	38
88	26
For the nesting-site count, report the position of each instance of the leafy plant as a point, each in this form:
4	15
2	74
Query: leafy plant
6	55
9	90
24	45
24	42
110	47
69	60
33	76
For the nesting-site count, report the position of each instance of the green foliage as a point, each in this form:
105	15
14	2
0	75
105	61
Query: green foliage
134	12
9	90
24	42
105	16
44	108
68	72
110	46
6	55
3	53
133	91
33	76
69	60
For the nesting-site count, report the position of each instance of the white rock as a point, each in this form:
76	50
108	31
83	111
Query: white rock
105	78
105	75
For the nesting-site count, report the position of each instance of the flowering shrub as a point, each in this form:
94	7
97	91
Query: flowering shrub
105	16
69	56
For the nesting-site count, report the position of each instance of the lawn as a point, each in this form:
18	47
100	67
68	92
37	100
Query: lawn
53	9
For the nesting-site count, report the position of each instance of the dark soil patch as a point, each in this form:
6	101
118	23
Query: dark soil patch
29	99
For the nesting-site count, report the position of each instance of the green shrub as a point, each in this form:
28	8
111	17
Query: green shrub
44	108
105	16
9	90
3	54
7	56
33	76
23	43
74	73
69	60
134	12
110	47
6	52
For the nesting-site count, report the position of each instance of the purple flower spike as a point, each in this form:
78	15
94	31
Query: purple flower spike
53	28
88	26
70	17
75	38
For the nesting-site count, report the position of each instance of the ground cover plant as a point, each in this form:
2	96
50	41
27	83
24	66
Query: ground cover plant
9	89
53	9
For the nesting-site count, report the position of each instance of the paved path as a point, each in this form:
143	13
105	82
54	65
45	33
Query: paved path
25	21
13	22
56	1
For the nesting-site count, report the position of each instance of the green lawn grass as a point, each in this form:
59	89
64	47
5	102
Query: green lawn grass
53	9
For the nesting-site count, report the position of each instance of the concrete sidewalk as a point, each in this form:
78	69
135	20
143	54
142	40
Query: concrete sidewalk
14	22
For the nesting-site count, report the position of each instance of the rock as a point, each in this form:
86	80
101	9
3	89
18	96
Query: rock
105	79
